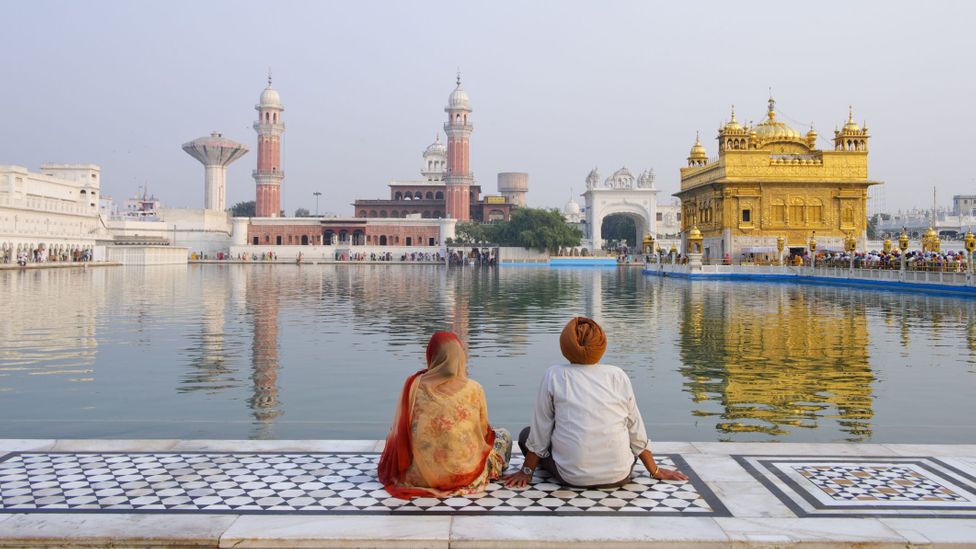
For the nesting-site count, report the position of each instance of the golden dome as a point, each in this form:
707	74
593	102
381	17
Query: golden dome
812	134
851	125
698	150
733	124
694	233
774	130
931	233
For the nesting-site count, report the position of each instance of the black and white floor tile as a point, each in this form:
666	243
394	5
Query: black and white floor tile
866	486
298	483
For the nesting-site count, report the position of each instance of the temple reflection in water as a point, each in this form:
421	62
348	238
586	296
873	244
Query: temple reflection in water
280	351
786	363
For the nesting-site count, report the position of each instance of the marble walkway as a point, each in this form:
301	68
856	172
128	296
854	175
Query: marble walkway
199	493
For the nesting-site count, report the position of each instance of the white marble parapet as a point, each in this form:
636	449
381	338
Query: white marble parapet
323	493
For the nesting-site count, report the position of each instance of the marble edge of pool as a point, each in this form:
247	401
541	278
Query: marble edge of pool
332	445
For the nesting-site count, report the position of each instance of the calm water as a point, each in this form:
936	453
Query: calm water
257	351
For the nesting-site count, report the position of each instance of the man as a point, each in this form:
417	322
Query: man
586	431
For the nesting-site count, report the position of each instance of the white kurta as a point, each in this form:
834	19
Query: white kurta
587	418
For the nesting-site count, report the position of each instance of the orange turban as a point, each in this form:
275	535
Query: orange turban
582	341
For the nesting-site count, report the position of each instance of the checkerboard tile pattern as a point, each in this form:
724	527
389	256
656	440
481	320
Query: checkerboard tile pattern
883	486
299	483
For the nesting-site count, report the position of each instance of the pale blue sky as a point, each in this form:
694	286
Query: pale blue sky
557	88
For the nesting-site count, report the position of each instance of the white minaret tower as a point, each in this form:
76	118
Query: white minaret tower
215	153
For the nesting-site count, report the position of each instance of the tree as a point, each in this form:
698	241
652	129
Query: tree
472	232
536	228
244	209
873	227
302	212
620	227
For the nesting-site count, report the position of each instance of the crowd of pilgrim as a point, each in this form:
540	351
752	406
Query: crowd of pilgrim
586	430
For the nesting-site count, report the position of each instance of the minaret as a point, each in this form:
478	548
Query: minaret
459	178
268	176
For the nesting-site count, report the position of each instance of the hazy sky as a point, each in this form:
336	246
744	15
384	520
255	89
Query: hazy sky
557	88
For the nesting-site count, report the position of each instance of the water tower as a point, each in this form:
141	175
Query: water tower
215	153
514	185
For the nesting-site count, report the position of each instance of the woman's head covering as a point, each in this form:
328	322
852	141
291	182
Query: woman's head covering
582	341
446	365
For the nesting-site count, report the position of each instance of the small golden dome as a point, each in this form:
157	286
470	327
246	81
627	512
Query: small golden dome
931	233
851	125
733	124
694	233
698	150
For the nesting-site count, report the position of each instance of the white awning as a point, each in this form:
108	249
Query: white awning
758	250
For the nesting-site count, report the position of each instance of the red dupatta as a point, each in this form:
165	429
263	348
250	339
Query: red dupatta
398	455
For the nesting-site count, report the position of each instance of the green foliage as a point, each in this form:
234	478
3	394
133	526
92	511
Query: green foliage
244	209
873	227
528	228
302	212
620	227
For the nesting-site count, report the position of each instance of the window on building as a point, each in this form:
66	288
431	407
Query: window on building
409	241
278	240
747	215
430	241
779	213
678	217
660	216
255	241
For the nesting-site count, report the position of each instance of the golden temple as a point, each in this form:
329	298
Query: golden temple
771	181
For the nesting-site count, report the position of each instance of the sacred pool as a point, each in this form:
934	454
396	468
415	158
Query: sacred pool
321	351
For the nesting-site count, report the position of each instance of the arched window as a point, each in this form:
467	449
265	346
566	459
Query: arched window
439	195
398	196
409	241
304	240
429	195
797	212
438	214
362	213
382	213
779	212
267	117
383	240
417	195
276	118
815	211
457	117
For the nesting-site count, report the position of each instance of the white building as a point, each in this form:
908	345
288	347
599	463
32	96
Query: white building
621	193
56	210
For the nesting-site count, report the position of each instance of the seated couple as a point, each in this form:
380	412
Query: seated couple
586	431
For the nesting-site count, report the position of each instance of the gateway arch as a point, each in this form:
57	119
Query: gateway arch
621	193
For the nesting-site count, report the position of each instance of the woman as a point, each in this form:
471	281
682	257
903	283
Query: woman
440	444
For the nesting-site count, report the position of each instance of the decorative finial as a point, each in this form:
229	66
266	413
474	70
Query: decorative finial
269	77
459	77
733	113
697	138
772	105
850	113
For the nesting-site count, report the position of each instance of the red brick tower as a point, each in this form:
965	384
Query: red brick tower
459	178
268	176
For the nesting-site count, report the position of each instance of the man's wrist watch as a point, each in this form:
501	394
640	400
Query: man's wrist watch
527	471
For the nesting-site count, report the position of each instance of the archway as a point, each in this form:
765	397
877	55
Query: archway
622	194
621	228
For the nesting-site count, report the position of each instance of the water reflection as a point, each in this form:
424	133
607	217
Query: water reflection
777	361
263	289
226	351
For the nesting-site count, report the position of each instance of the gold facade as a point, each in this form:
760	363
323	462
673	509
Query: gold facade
771	181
